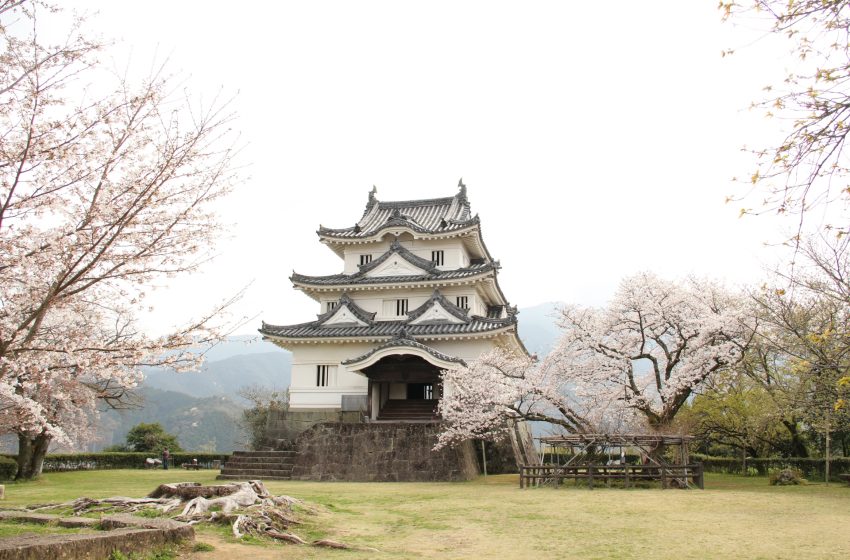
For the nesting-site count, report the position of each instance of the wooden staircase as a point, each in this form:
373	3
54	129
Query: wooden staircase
262	465
409	410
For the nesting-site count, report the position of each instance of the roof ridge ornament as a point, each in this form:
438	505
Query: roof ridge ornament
462	194
373	198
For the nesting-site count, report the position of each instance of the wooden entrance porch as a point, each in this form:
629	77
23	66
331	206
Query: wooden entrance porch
403	388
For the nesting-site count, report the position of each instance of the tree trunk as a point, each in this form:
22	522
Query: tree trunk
31	452
797	446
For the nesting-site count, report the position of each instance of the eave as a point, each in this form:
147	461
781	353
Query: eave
471	238
314	289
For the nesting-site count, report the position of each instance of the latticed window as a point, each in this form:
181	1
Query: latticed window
438	257
332	305
323	375
365	259
401	307
463	302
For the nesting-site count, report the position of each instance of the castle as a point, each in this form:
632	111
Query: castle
419	293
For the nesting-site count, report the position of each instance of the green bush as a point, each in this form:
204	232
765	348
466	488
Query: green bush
8	468
813	469
786	477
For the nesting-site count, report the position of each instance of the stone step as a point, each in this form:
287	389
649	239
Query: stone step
239	477
384	411
264	453
258	464
261	458
257	473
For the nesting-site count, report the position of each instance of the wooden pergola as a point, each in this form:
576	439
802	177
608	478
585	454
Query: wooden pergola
577	457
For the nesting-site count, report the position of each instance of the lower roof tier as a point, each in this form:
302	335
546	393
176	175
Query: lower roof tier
383	329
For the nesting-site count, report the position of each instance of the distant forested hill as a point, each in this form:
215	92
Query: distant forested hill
226	376
199	423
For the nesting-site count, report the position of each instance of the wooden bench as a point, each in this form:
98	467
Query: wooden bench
191	466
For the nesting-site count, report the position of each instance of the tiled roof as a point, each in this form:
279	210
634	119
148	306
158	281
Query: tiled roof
398	249
356	310
437	297
379	329
402	340
360	278
433	215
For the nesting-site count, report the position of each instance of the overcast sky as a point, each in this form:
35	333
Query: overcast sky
597	139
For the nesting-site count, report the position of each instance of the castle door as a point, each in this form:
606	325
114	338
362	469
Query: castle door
403	388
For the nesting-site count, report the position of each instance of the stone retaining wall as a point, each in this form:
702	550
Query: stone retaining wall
287	425
380	453
125	533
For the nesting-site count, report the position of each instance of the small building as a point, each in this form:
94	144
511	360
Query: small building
418	293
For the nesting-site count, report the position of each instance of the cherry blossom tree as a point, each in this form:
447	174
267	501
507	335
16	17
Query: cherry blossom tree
105	186
638	360
501	385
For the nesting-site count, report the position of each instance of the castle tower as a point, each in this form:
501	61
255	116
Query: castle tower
418	294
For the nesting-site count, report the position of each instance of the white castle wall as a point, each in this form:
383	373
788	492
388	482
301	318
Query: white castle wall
304	394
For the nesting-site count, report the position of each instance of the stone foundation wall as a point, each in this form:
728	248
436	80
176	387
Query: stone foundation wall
286	425
380	453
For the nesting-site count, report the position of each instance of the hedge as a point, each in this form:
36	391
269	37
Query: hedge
812	469
8	468
119	460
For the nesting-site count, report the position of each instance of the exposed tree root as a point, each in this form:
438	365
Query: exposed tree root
247	507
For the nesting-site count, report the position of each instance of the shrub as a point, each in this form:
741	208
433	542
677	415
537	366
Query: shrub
151	438
8	468
786	477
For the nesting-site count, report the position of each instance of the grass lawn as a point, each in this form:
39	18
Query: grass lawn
734	517
16	528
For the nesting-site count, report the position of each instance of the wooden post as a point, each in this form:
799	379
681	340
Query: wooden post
700	476
484	457
663	478
826	462
590	477
626	471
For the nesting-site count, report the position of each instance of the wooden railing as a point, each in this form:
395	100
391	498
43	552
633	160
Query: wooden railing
680	476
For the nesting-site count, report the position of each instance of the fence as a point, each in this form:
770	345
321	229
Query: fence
668	475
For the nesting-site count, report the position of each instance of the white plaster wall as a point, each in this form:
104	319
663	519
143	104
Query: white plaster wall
455	254
382	302
303	393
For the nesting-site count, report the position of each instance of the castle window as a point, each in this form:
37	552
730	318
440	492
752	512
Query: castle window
463	302
438	257
365	259
400	307
332	305
323	375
